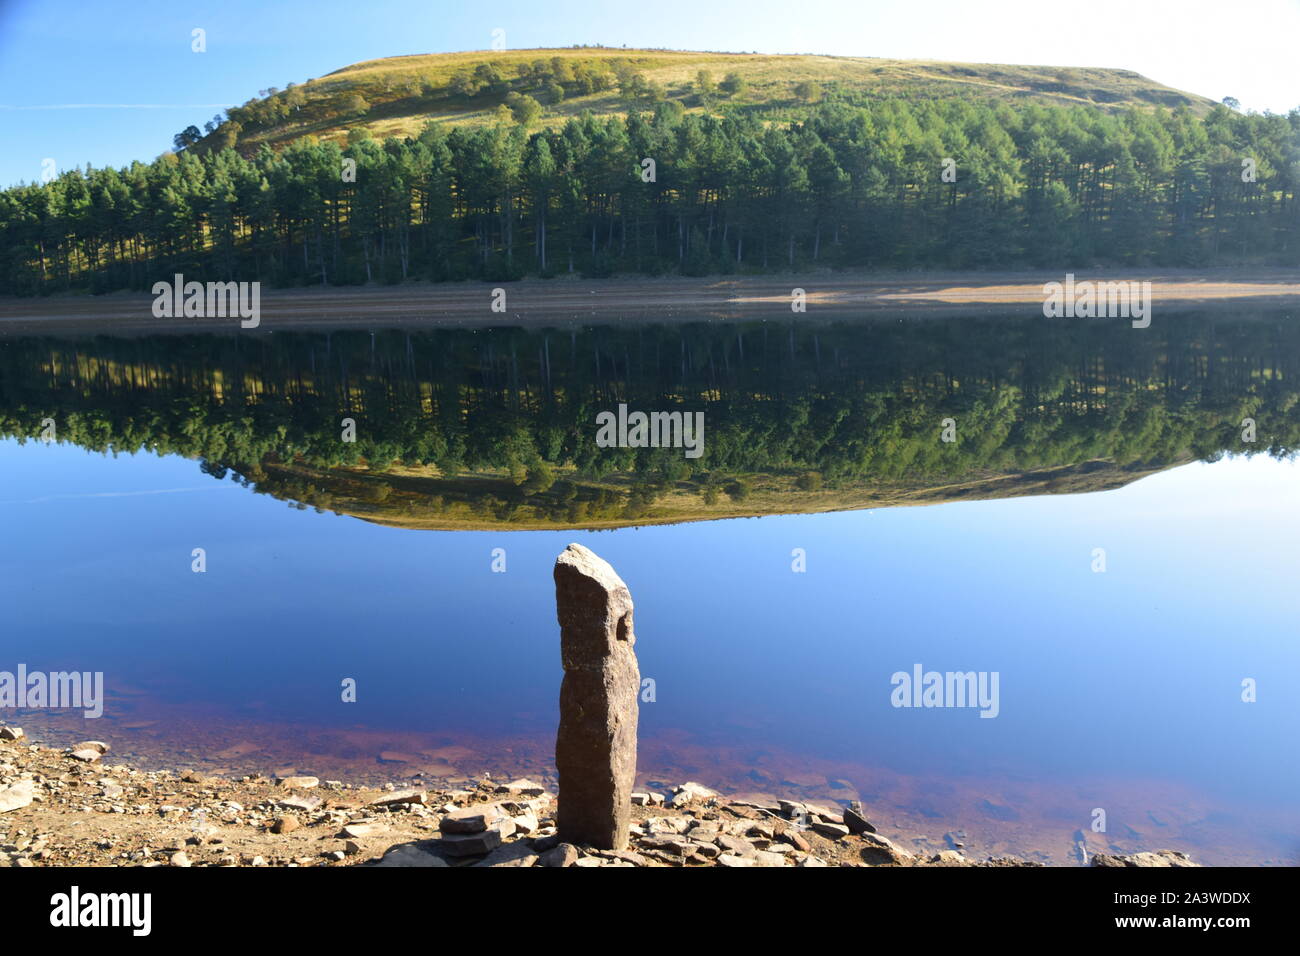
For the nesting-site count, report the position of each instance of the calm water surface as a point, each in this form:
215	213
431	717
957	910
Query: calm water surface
1119	690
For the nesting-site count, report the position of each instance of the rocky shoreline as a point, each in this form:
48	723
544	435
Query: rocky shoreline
68	807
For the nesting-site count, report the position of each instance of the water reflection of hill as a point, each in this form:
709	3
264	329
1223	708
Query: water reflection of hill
460	428
419	501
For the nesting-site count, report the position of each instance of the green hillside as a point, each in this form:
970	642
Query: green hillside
397	96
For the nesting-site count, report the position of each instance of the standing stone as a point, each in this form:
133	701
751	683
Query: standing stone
595	750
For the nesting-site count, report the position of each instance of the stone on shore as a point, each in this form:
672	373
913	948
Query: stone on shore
518	853
477	844
948	858
525	788
793	838
526	822
1155	858
735	845
407	854
881	851
473	819
831	831
400	798
595	748
566	854
690	792
16	796
301	804
856	821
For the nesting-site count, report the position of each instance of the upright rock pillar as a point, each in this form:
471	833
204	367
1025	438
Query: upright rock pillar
595	749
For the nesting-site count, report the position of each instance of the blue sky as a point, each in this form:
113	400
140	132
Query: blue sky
107	82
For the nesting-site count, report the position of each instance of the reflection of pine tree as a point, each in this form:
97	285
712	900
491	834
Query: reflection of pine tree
451	421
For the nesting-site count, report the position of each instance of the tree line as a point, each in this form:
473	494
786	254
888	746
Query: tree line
890	184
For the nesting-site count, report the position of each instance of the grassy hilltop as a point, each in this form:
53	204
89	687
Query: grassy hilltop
397	96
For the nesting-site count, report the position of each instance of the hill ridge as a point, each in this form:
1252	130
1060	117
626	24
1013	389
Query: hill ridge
399	95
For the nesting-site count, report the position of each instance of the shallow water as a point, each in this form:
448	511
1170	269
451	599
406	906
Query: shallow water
1118	689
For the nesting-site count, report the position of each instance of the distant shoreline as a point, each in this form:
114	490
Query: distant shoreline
564	301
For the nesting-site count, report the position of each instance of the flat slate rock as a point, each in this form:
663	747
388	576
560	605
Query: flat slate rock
518	853
522	786
831	831
475	844
398	797
473	819
17	796
410	854
305	804
358	831
857	823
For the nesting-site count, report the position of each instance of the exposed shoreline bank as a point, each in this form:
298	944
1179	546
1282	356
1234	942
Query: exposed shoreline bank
563	301
75	807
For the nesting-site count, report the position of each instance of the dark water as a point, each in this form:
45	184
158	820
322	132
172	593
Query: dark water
1118	689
